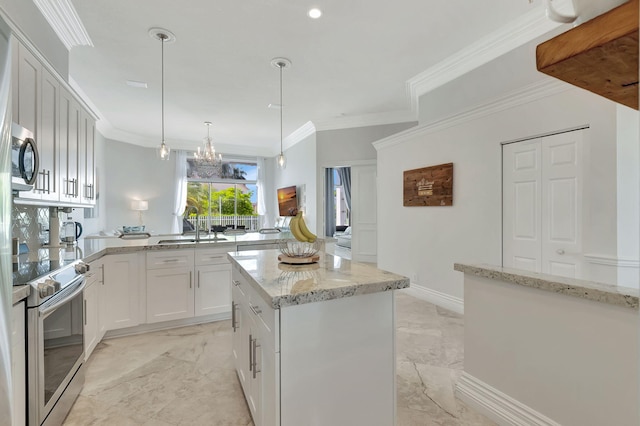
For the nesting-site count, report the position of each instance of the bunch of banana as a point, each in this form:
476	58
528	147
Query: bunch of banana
300	231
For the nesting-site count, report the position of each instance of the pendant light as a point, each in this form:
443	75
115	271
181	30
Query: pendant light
281	63
163	151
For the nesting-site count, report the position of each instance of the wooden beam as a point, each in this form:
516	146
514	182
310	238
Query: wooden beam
600	55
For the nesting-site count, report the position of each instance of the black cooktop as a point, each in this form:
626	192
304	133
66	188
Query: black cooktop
26	270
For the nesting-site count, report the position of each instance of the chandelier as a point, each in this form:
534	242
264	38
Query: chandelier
207	157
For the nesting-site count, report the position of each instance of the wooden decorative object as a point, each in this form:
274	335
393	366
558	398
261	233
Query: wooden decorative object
600	55
429	186
298	260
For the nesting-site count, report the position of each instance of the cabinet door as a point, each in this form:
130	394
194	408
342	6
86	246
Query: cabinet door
29	71
89	187
48	142
82	155
91	317
68	159
170	294
240	340
27	86
213	289
121	291
270	384
18	366
254	396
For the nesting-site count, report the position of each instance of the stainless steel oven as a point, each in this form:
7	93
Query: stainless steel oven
55	344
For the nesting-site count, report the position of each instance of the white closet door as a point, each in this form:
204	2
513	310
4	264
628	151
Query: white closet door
542	198
562	212
522	219
364	217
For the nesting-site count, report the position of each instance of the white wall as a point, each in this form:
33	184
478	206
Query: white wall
134	172
424	242
628	196
27	17
301	172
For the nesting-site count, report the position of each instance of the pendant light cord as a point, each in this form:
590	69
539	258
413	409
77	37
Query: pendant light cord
280	65
162	38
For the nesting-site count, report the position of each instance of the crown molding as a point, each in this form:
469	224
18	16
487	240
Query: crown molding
302	132
366	120
532	92
66	23
514	34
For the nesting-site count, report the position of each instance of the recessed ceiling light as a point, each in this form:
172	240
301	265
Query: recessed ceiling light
139	84
314	13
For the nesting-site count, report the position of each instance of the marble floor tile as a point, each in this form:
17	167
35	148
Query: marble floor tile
185	376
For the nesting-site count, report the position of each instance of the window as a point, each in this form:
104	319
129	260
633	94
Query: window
224	196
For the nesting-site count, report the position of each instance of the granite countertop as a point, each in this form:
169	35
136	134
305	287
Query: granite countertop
599	292
332	277
20	292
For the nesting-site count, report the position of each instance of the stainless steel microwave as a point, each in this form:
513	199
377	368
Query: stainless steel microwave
24	159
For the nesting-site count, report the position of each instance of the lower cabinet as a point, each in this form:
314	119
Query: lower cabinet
120	299
18	365
256	351
91	313
186	283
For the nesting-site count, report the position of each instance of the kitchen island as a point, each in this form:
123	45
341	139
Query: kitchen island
314	344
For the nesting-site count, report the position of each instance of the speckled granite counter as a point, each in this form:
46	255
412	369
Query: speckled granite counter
20	292
331	278
599	292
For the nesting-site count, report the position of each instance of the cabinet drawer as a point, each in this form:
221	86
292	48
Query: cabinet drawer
264	316
170	258
210	256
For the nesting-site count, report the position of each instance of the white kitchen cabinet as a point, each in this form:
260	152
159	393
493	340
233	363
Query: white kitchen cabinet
255	350
18	365
185	283
91	312
69	122
48	139
170	294
88	192
121	291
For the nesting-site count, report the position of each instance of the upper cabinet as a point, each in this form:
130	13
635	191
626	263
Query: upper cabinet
63	130
600	55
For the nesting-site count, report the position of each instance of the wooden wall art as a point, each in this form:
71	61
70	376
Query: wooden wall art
429	186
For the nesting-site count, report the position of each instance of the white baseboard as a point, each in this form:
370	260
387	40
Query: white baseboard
146	328
443	300
498	406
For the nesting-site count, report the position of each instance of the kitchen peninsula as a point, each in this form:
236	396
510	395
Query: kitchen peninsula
302	332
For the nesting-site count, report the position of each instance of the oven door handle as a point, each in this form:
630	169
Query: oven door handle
61	302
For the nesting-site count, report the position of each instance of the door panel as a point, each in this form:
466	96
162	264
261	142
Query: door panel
521	206
364	213
542	198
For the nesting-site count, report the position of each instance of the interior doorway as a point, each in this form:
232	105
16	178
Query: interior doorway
543	204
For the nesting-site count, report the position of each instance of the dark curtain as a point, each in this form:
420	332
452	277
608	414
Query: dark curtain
330	204
345	178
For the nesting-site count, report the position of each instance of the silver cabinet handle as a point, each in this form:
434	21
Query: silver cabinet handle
198	278
190	279
255	358
84	311
250	352
560	251
256	310
170	260
48	182
236	283
233	316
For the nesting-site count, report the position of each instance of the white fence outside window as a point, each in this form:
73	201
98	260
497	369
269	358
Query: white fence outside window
250	223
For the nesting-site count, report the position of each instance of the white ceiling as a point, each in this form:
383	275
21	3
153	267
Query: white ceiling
353	61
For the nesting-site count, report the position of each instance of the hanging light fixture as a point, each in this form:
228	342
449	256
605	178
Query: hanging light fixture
163	151
281	63
208	156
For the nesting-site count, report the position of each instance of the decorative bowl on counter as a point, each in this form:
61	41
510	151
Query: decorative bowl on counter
132	229
298	249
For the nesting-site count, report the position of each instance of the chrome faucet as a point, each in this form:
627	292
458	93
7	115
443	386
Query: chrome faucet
190	209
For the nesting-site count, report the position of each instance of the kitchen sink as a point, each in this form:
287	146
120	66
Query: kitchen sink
179	241
192	240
